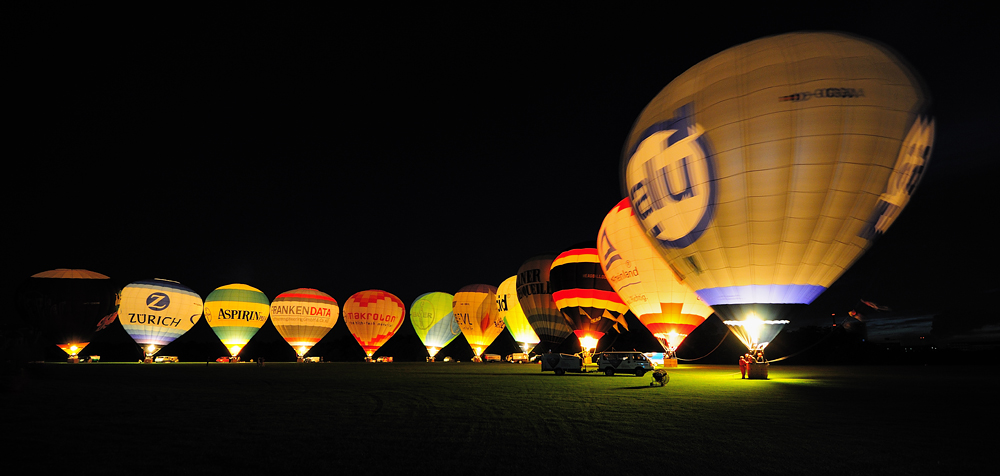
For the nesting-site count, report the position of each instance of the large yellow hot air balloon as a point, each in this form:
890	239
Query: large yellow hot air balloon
236	312
157	311
762	173
304	316
433	321
668	308
474	307
534	294
509	310
373	317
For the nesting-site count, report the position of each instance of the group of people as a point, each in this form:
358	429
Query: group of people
747	359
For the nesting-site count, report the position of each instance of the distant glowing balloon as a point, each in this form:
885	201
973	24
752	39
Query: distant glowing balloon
509	310
236	312
433	320
764	172
303	317
474	307
157	311
644	281
534	294
67	305
373	317
584	296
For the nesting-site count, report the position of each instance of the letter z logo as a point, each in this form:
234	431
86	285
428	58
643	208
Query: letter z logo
157	301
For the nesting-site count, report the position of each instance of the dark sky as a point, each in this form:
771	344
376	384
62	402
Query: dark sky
424	149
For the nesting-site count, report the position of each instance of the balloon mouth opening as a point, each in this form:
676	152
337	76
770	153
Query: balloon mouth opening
73	349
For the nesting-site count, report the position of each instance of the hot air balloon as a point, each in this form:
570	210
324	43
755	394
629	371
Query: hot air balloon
509	310
584	296
764	172
157	311
434	322
304	316
474	307
373	317
236	312
66	305
644	281
534	294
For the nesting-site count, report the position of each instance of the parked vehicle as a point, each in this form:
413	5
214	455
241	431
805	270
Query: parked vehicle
624	362
165	358
487	358
518	358
560	363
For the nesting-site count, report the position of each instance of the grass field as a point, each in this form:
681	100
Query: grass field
483	419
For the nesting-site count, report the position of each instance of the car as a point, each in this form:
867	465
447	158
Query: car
518	358
560	363
487	358
624	362
166	358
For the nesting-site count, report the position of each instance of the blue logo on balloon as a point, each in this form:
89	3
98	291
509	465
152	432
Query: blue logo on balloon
157	301
671	180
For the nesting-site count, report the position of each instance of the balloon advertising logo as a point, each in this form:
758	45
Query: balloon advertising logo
913	157
670	180
157	301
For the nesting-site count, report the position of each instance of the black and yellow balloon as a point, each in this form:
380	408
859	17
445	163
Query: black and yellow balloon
765	171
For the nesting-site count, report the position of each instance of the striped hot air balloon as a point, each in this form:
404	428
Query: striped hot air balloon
303	317
644	281
584	296
236	312
534	294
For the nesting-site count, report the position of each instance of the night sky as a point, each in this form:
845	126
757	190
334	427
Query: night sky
424	149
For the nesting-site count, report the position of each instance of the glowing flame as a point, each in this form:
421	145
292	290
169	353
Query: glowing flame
235	349
754	332
432	351
72	349
588	342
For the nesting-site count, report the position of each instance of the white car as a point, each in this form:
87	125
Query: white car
624	362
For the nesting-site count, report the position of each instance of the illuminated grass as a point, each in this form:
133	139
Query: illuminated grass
497	419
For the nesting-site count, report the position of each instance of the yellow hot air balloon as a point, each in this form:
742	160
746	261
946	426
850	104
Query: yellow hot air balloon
474	307
236	312
509	310
304	316
762	173
640	276
157	311
434	322
373	317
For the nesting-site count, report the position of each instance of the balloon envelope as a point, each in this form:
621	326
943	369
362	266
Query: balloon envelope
67	305
303	317
644	281
236	312
475	311
762	173
433	320
583	294
509	310
373	317
157	311
534	294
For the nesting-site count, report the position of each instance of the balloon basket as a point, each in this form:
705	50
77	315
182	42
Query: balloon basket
757	370
669	362
73	359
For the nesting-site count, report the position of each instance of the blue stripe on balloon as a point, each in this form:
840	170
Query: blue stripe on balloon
769	294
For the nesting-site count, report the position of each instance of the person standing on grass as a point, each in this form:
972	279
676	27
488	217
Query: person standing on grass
744	363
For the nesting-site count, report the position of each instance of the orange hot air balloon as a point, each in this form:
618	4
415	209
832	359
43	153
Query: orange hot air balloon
644	280
584	296
304	316
475	309
373	317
